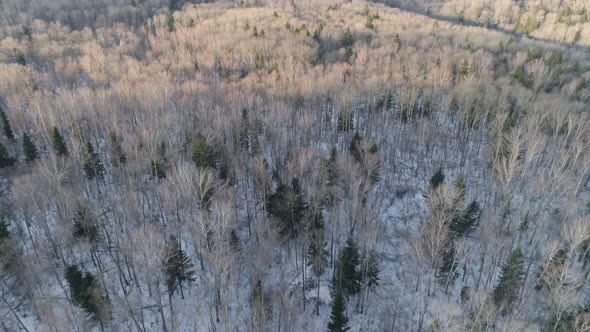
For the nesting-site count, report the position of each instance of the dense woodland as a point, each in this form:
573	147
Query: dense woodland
294	166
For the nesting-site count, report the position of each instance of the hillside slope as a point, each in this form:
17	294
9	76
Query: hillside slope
234	167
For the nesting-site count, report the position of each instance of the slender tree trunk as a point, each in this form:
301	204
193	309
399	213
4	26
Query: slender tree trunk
160	306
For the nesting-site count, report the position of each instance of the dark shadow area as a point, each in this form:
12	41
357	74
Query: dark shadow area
79	14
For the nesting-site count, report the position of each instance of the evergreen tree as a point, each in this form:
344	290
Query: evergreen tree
347	276
332	166
170	22
93	167
118	157
371	269
202	153
375	174
397	40
300	206
8	250
83	290
448	270
289	206
260	303
278	205
177	266
157	170
244	136
460	188
29	149
437	179
316	36
465	68
6	128
21	59
435	327
317	253
158	165
59	144
4	233
224	167
234	241
347	39
5	159
464	222
465	294
506	292
338	320
355	147
85	225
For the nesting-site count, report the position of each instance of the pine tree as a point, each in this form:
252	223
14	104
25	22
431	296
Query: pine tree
93	167
158	165
5	159
465	68
435	327
397	40
177	266
317	253
59	144
464	222
29	149
371	268
202	153
347	39
355	147
170	22
21	59
465	294
332	166
506	292
118	157
375	173
289	206
437	179
338	320
448	270
347	276
278	205
244	136
460	188
316	36
84	290
300	206
260	303
6	128
85	225
8	256
4	233
157	170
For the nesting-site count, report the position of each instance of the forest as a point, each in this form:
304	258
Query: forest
282	165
